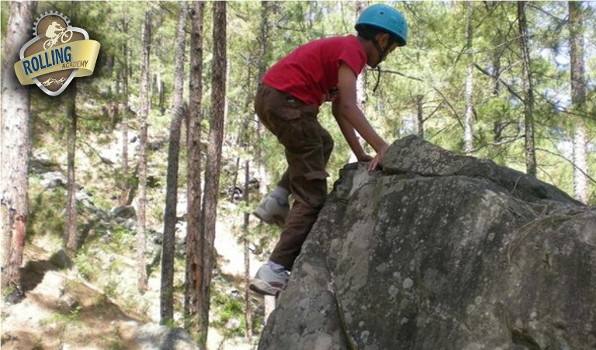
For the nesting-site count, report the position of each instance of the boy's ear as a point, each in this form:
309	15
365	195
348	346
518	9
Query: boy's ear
383	38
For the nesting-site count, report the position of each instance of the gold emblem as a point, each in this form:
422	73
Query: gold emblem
57	54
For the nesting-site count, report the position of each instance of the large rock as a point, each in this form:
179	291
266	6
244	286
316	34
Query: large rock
441	251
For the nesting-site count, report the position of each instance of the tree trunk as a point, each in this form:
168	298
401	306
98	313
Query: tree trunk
469	112
194	244
70	230
263	53
143	114
167	261
214	147
245	241
530	149
14	156
578	101
420	115
498	125
125	113
162	96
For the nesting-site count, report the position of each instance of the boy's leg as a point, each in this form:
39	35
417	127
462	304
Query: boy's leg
308	183
308	147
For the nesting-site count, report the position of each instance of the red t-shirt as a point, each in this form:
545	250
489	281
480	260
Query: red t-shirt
311	70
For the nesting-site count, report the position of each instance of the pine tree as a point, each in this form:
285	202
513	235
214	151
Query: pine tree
193	228
14	156
213	163
70	226
169	239
469	90
142	115
578	100
530	150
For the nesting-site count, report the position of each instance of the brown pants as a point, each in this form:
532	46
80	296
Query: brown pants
308	147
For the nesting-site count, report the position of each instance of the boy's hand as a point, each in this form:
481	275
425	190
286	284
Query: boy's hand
378	159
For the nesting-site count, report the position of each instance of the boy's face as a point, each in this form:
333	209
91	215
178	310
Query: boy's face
383	39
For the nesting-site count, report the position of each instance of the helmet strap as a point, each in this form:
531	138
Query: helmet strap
382	53
378	79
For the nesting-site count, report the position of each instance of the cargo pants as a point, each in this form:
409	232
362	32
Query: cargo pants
307	148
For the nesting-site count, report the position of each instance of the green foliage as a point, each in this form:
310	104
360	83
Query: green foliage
69	317
85	266
229	311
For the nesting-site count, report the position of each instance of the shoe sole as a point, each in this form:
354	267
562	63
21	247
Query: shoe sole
264	288
277	220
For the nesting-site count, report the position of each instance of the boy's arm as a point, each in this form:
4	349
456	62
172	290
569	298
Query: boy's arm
348	110
349	134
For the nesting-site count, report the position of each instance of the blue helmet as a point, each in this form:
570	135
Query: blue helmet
386	18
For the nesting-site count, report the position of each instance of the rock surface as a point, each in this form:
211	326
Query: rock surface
441	251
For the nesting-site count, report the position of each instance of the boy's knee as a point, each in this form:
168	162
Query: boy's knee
317	181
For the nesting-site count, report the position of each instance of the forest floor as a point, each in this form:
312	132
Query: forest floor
63	310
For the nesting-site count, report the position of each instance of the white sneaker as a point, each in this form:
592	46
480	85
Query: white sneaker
269	281
271	211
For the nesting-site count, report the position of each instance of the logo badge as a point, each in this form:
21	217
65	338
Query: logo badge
56	55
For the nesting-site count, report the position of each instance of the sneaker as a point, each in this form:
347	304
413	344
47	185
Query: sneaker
271	211
269	281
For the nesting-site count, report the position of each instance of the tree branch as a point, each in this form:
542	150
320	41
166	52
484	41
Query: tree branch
509	88
569	161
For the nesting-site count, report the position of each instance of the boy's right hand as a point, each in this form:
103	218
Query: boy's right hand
378	159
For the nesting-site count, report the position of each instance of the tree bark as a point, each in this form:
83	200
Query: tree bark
530	149
70	229
420	115
167	261
14	156
126	114
194	244
578	101
264	178
212	169
469	112
245	241
142	115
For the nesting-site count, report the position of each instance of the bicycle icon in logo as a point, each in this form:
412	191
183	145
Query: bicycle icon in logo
56	32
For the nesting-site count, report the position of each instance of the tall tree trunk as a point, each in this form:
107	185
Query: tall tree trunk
14	151
125	112
420	115
245	242
167	260
264	177
498	125
578	100
194	244
162	94
143	114
469	111
212	169
262	64
70	230
530	149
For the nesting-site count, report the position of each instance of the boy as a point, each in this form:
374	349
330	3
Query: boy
287	103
